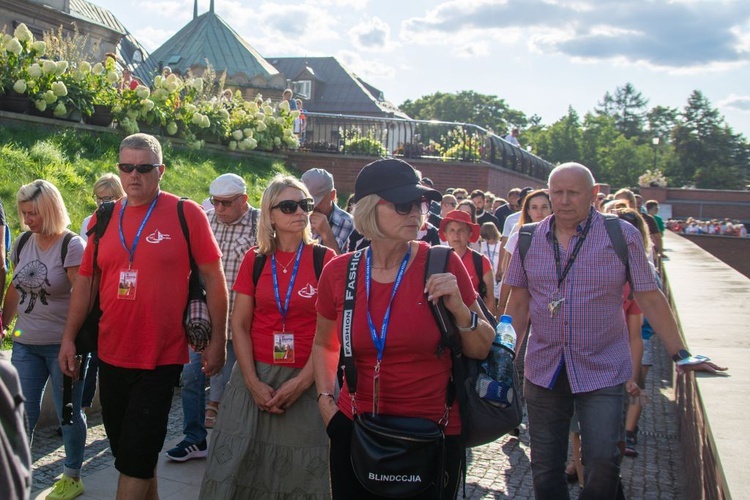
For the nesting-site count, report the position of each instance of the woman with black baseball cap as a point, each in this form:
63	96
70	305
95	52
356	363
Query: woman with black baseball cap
391	332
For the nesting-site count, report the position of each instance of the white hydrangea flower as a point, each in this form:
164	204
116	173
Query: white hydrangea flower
142	92
112	76
260	126
14	46
295	114
40	104
147	104
20	86
49	96
60	67
49	67
85	66
284	105
237	135
232	145
171	128
35	71
277	141
98	69
197	84
60	109
59	89
248	132
23	33
39	47
224	114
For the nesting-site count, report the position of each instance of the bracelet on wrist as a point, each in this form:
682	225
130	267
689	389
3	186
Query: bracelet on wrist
327	394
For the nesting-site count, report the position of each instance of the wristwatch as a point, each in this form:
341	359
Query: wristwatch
474	322
681	354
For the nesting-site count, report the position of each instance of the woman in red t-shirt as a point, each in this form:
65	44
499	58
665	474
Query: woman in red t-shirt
268	440
390	207
458	230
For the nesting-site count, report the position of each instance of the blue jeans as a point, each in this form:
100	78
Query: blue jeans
35	363
89	383
193	400
219	381
601	417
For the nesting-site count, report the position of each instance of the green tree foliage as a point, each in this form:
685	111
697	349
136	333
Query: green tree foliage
628	109
467	106
563	142
709	153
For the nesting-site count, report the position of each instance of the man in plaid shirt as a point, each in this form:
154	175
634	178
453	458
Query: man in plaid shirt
234	223
570	286
331	226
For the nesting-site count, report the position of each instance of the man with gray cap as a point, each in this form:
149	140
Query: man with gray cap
331	225
234	224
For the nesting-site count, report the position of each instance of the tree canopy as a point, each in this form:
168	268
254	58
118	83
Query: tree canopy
619	140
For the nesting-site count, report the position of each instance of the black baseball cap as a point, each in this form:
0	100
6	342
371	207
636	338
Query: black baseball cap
393	180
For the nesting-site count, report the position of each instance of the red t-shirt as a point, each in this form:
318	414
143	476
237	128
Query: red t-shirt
468	261
413	380
147	332
301	317
630	307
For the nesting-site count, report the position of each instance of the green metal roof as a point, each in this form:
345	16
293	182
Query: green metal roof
209	38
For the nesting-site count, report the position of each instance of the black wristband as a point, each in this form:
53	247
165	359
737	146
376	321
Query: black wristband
681	354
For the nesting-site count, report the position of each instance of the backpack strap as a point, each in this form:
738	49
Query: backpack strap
260	262
614	231
319	255
21	242
64	249
478	268
525	234
185	230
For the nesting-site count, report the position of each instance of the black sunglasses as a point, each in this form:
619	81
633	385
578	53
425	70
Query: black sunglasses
141	168
224	203
290	206
423	205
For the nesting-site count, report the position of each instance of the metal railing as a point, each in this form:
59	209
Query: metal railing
411	139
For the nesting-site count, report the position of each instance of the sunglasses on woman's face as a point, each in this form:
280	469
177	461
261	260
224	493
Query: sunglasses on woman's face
141	168
405	208
290	206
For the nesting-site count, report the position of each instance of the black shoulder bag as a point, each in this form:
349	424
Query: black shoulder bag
392	456
481	422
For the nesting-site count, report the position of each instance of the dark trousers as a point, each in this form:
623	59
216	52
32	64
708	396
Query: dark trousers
344	484
600	414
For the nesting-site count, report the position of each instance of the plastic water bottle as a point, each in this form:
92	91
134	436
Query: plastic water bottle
496	385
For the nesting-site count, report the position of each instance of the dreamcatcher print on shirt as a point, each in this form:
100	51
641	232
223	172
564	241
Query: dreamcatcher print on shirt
30	281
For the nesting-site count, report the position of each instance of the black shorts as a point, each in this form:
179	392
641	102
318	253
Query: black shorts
135	411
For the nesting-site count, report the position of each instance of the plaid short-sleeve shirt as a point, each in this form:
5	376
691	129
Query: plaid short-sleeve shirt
234	239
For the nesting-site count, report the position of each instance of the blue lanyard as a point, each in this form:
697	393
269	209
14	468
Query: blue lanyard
380	341
285	309
131	251
491	254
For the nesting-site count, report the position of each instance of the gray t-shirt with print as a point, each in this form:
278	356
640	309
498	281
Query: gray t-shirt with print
43	289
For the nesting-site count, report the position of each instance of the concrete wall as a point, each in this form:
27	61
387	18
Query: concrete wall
444	174
710	300
730	250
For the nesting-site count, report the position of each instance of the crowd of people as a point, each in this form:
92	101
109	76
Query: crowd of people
299	287
713	227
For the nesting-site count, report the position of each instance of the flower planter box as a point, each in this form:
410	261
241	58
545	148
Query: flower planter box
15	103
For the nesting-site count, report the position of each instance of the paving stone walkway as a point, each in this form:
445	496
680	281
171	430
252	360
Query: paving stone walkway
498	470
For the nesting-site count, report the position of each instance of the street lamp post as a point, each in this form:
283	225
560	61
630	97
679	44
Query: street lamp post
655	143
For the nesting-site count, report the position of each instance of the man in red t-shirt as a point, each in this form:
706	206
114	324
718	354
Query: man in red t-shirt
142	271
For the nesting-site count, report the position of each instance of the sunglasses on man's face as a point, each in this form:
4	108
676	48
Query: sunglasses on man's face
223	203
290	206
141	168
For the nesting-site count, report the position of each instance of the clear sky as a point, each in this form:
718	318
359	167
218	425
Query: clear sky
541	56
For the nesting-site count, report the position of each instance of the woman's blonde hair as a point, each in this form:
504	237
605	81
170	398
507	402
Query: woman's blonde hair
111	183
366	218
47	202
266	233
